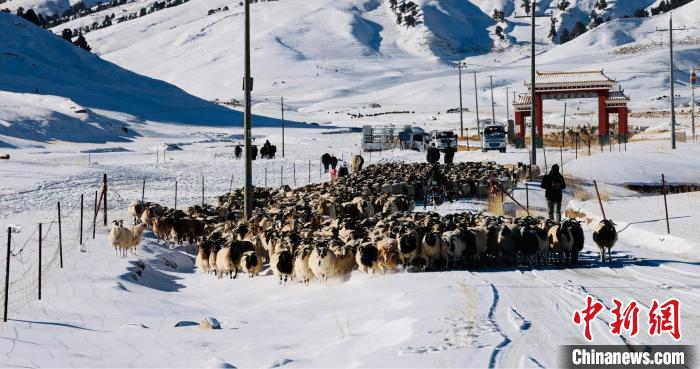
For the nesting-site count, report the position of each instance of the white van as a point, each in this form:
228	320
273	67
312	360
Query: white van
444	139
493	137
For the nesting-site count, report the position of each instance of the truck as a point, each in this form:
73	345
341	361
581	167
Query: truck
443	139
493	137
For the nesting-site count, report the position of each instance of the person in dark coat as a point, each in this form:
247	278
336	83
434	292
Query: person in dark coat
433	156
253	152
553	184
449	155
343	171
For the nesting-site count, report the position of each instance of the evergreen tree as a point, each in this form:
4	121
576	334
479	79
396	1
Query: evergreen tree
81	42
564	36
602	4
526	6
553	29
31	16
67	34
499	32
578	30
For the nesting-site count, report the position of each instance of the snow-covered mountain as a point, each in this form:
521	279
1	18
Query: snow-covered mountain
325	54
53	90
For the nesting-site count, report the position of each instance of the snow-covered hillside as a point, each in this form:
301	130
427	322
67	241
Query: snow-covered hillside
53	90
327	55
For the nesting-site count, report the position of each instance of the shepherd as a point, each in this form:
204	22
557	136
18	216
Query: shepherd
433	155
553	184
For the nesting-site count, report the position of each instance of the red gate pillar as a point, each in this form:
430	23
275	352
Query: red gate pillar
539	109
520	134
622	119
602	118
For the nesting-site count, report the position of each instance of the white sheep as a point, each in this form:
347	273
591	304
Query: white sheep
302	271
227	263
431	248
345	261
322	263
124	239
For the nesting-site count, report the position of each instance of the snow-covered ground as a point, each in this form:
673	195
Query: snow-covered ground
67	117
102	310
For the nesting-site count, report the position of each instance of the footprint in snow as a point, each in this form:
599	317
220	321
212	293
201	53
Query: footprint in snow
280	363
214	363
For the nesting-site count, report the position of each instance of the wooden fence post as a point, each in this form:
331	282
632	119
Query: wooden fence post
175	195
281	175
527	198
104	192
60	236
40	261
230	186
265	177
600	202
143	189
663	190
81	219
94	218
7	272
294	173
202	190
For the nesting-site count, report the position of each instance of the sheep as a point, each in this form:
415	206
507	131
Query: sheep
227	260
202	259
356	162
302	271
150	213
345	260
431	248
409	247
475	243
506	244
367	258
251	263
212	257
605	236
561	242
282	264
162	226
389	258
364	207
136	208
124	239
574	226
322	262
454	246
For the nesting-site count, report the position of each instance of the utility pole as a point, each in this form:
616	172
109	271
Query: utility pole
507	106
673	93
461	113
476	103
693	81
493	103
248	87
282	106
533	111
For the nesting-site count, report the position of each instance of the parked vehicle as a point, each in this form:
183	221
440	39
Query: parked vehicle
493	137
444	139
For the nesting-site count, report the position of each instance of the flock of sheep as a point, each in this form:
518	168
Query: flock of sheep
365	221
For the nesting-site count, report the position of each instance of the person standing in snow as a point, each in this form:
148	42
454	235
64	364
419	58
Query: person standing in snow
433	155
553	184
449	155
343	171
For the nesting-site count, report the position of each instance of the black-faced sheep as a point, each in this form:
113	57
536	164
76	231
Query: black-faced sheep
605	236
282	264
367	258
322	263
251	263
302	271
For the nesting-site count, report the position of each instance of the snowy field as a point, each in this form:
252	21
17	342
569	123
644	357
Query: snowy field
102	310
140	109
